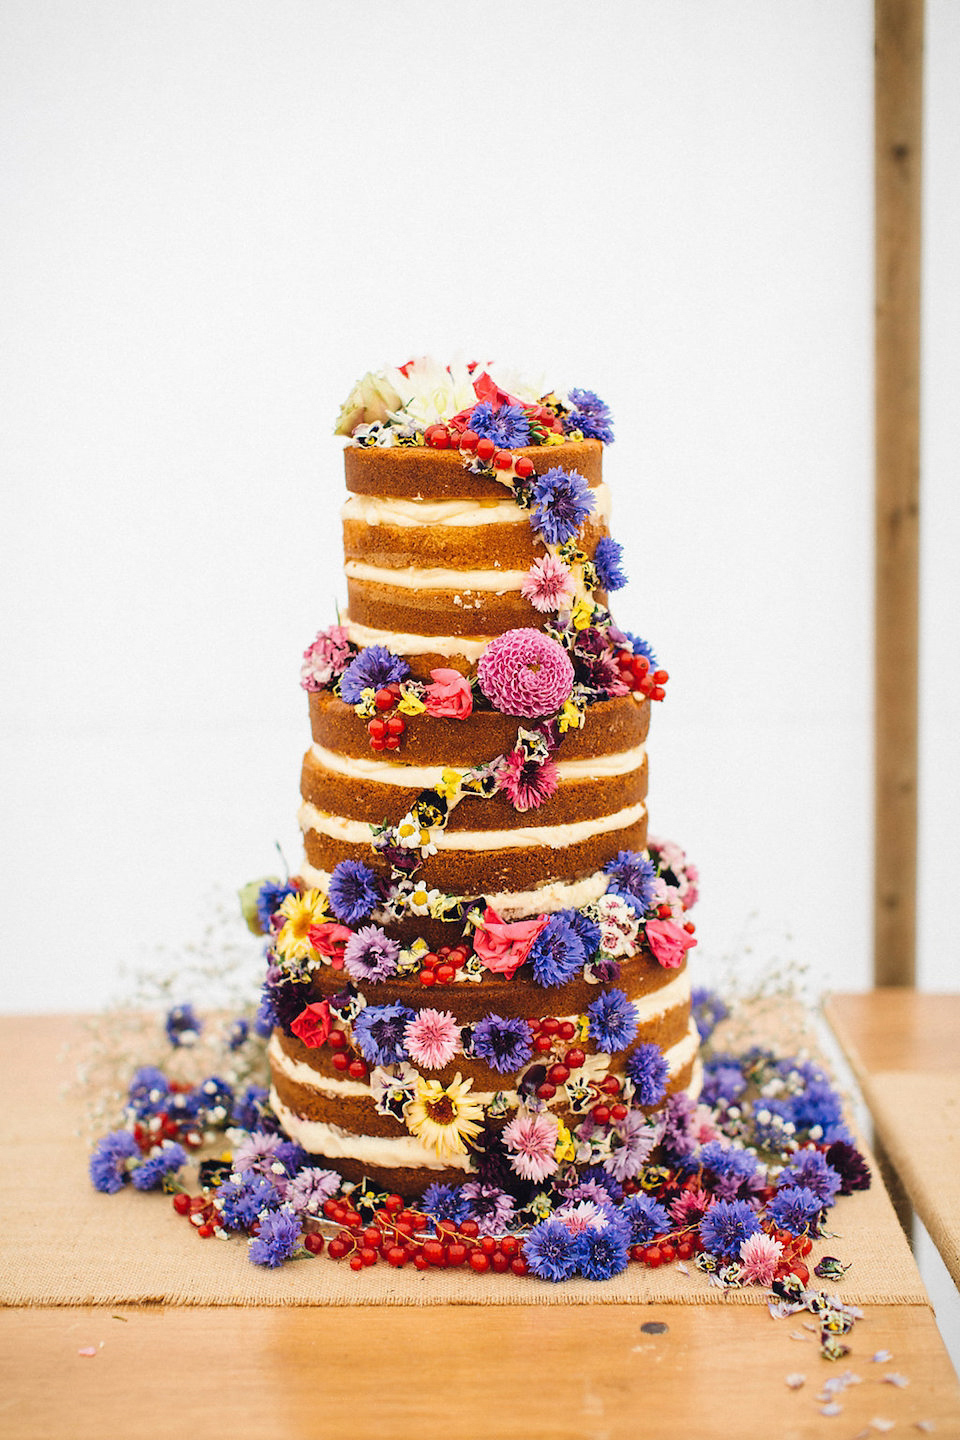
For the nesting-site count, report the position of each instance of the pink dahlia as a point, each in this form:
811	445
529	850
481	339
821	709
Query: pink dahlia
326	658
524	672
759	1257
526	783
433	1038
548	585
532	1139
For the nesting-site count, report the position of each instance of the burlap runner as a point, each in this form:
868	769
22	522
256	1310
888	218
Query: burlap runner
64	1244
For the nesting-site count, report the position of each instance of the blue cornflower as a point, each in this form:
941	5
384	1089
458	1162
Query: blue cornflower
708	1010
604	1253
238	1033
373	669
270	897
649	1072
266	1017
728	1162
241	1201
632	875
150	1173
558	953
182	1025
607	558
353	891
108	1163
725	1227
251	1110
613	1021
551	1252
444	1202
371	955
819	1105
590	415
722	1083
795	1209
508	427
586	928
646	1218
214	1096
504	1044
279	1235
378	1030
148	1091
562	500
809	1168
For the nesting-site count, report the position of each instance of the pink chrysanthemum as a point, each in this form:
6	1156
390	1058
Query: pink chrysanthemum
548	585
759	1257
582	1216
326	658
526	783
532	1139
524	672
432	1037
689	1207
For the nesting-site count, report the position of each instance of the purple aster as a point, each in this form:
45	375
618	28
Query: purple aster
732	1167
604	1253
562	500
725	1227
151	1172
270	897
238	1033
708	1011
504	1044
241	1201
353	891
278	1238
445	1202
371	955
590	415
613	1021
108	1163
795	1209
148	1093
586	928
373	669
633	1140
507	427
607	558
182	1025
646	1218
214	1098
251	1110
258	1153
378	1030
722	1085
678	1139
309	1188
596	1184
809	1168
551	1252
649	1072
558	953
850	1166
632	875
492	1208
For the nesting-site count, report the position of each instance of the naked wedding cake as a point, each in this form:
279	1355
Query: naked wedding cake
478	976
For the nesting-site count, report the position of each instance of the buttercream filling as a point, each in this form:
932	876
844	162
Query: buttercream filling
422	513
509	904
426	777
471	647
554	837
413	577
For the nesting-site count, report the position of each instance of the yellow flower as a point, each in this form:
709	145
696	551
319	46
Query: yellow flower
450	782
571	717
444	1117
554	439
582	614
564	1148
365	707
300	913
410	703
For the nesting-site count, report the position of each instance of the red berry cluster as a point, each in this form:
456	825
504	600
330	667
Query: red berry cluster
353	1065
201	1212
439	968
401	1237
444	437
635	671
387	727
664	912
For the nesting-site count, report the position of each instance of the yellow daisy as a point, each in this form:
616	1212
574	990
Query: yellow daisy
300	912
444	1117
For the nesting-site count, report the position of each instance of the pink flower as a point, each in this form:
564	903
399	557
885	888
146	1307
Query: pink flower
432	1038
759	1257
526	783
450	696
312	1025
524	672
668	942
548	585
504	946
330	939
532	1140
327	657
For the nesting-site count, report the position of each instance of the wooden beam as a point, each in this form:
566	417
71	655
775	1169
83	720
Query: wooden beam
898	111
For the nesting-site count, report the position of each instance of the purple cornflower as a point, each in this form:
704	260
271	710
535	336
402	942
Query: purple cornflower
819	1105
373	669
149	1174
251	1110
733	1168
214	1097
607	558
108	1163
586	928
613	1021
309	1188
270	897
604	1253
378	1030
508	427
278	1238
678	1139
504	1044
182	1025
148	1091
725	1227
633	1141
722	1084
708	1010
352	891
633	876
371	955
646	1218
445	1202
238	1033
551	1252
809	1168
562	500
795	1209
649	1072
558	953
492	1208
590	415
258	1152
240	1202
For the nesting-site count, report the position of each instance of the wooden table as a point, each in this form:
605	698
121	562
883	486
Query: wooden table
904	1048
702	1372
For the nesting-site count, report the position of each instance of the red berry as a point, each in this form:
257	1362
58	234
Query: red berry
618	1112
550	1026
313	1242
336	1040
428	977
376	727
575	1058
664	912
806	1245
567	1030
479	1262
486	449
499	1263
384	700
652	1256
657	693
468	440
510	1246
801	1271
341	1060
438	437
601	1113
546	1091
668	1252
518	1265
469	1228
557	1074
433	1253
610	1085
357	1069
661	677
181	1203
397	1256
420	1261
419	1222
393	1204
368	1255
456	1253
445	973
489	1244
205	1230
392	742
373	1237
337	1248
543	1044
690	927
444	951
684	1250
377	744
430	960
396	725
524	466
503	460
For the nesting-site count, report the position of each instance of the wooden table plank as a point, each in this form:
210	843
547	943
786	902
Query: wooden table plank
897	1029
504	1373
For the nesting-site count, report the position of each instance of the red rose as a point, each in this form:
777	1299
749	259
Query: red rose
330	940
312	1025
503	946
450	696
668	942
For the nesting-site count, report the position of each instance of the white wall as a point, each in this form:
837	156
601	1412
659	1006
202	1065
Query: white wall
216	217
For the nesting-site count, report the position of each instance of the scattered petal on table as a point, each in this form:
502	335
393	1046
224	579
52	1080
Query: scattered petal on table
893	1378
881	1357
795	1380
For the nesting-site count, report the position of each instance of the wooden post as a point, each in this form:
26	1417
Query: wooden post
898	110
